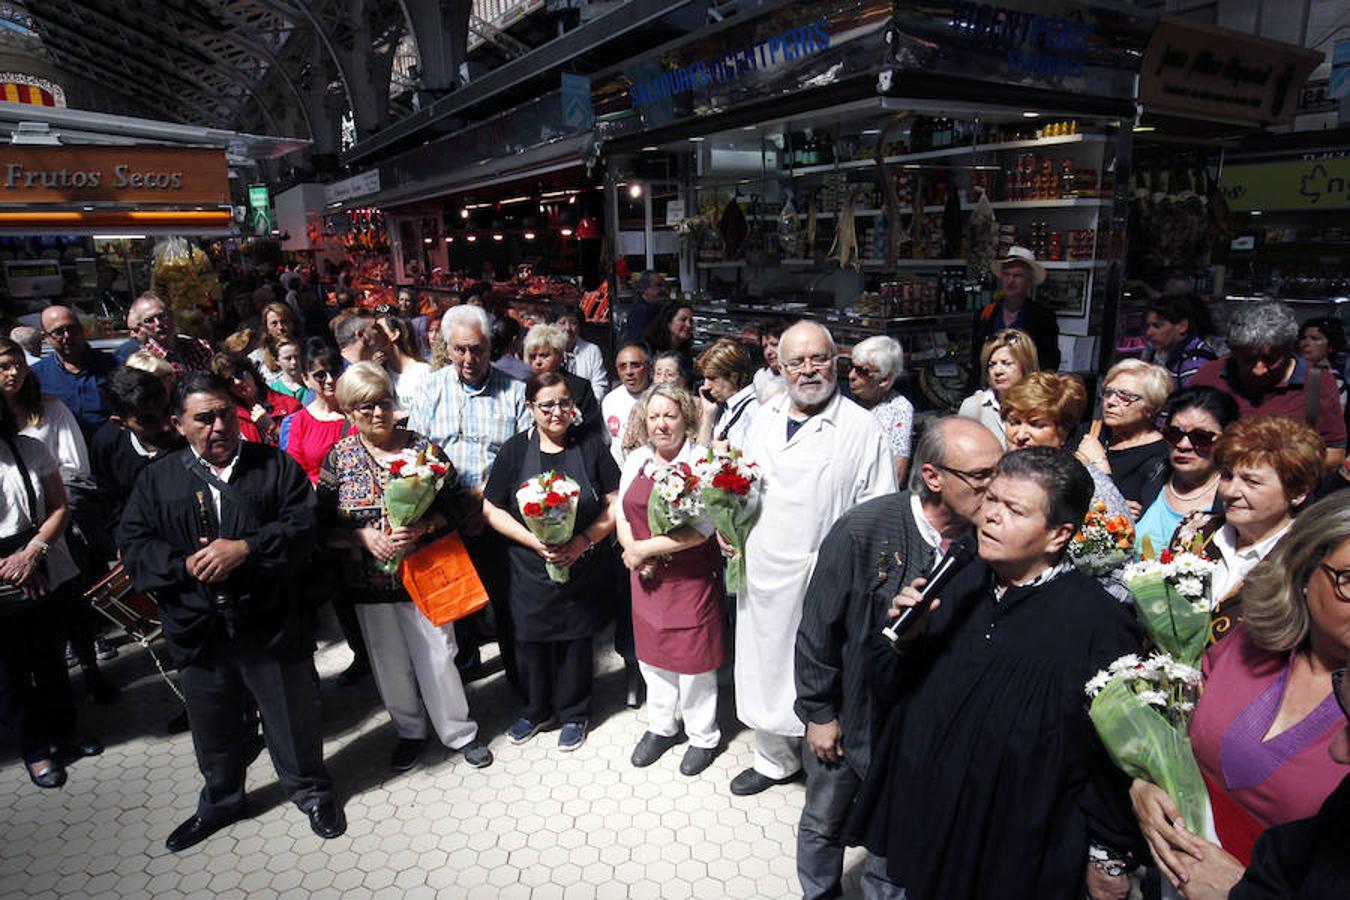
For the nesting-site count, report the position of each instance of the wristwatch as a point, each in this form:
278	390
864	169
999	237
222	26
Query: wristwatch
41	546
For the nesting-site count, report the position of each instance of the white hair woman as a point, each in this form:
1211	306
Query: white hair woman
546	351
877	363
1131	448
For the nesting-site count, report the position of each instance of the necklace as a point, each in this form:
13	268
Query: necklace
1198	492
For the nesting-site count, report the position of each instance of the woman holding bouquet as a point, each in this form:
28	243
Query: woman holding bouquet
1267	716
413	660
677	589
556	615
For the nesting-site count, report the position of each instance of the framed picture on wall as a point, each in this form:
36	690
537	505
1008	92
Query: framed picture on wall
1065	292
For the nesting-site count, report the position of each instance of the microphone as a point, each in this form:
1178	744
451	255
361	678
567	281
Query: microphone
958	555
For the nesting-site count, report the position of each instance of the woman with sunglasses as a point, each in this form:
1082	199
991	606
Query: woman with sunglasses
555	624
309	434
1267	714
413	660
1196	417
1130	448
260	408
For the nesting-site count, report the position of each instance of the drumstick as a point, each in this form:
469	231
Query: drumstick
1096	429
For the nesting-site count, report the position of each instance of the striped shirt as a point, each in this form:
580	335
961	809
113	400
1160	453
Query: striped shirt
470	424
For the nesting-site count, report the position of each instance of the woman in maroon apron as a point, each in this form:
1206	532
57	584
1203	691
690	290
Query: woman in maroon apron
677	590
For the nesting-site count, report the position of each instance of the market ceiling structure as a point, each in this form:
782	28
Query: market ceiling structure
298	68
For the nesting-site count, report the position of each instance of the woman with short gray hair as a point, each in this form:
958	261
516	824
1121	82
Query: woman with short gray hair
876	364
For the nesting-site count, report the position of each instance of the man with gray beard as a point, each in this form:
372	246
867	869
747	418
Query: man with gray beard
820	454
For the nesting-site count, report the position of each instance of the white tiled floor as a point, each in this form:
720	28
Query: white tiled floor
538	823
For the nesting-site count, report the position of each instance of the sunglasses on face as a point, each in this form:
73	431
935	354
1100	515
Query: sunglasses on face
1126	398
323	375
1201	440
861	370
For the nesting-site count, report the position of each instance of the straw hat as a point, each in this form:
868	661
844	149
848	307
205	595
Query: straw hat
1027	258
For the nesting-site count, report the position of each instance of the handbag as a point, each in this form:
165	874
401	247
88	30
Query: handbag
442	581
12	598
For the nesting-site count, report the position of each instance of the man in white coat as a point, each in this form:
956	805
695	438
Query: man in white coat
820	455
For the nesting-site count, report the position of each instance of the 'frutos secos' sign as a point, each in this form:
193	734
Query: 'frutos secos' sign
72	174
795	43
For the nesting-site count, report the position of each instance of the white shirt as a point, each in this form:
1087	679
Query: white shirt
408	383
982	406
15	514
768	385
1234	564
586	361
837	459
224	474
61	435
895	415
644	459
931	536
269	375
733	423
615	410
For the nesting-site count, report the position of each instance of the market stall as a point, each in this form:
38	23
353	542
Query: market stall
865	168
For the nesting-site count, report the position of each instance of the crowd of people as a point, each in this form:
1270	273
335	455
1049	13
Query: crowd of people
242	480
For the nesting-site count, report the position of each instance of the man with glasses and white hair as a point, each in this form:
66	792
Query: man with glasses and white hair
469	409
845	605
820	455
158	335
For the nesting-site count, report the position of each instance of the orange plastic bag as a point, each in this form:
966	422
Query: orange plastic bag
442	581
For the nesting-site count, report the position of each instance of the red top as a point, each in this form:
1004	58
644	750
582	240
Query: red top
1272	781
280	406
309	439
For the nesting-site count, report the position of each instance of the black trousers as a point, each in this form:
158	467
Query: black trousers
36	701
556	677
623	611
218	688
488	552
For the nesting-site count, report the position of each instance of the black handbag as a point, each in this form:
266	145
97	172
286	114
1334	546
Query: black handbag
12	598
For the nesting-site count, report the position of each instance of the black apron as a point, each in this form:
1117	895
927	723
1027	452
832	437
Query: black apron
542	609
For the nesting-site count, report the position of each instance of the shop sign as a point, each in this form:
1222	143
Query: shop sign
350	188
1316	97
576	100
1305	184
798	42
1217	73
81	174
1036	44
1340	70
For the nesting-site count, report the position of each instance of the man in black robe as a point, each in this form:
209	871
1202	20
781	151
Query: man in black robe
220	532
989	780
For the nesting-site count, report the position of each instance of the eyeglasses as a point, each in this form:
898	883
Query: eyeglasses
816	361
1126	398
977	479
549	407
64	331
1337	678
323	375
386	309
368	409
155	317
862	370
1340	580
1201	440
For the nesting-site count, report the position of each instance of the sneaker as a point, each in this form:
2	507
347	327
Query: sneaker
477	754
405	754
524	729
104	650
572	736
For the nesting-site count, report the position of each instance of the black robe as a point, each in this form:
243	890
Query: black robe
1307	859
988	778
116	465
275	516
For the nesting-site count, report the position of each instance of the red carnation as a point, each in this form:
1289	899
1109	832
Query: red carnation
396	466
1165	557
437	470
533	510
554	499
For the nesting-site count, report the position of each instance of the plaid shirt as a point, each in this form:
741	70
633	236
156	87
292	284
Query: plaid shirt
470	424
188	354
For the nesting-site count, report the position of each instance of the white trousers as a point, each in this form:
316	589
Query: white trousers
414	666
777	755
670	693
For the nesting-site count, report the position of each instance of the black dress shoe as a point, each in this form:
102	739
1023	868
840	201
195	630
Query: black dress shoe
405	754
751	782
696	759
326	819
82	746
53	777
652	747
196	829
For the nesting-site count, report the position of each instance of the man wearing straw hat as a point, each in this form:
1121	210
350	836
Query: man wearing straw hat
1019	271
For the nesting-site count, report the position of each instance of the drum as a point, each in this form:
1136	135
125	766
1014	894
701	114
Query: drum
136	612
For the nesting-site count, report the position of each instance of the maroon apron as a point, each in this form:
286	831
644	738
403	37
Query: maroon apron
677	614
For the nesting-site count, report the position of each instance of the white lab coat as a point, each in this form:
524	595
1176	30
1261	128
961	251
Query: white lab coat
835	461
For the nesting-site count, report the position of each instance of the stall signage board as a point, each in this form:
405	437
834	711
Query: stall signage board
1216	73
84	174
350	188
1307	184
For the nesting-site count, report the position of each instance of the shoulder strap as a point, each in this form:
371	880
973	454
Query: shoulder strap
226	489
27	482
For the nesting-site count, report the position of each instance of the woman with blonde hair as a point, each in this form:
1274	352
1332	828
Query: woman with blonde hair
677	589
1130	448
157	366
1267	715
1006	358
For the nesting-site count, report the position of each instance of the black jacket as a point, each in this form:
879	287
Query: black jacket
1038	322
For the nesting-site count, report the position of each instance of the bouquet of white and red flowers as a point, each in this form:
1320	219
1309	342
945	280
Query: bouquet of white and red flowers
731	496
676	499
413	483
548	504
1103	543
1141	708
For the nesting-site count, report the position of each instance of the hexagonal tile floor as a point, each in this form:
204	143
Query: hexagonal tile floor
538	823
